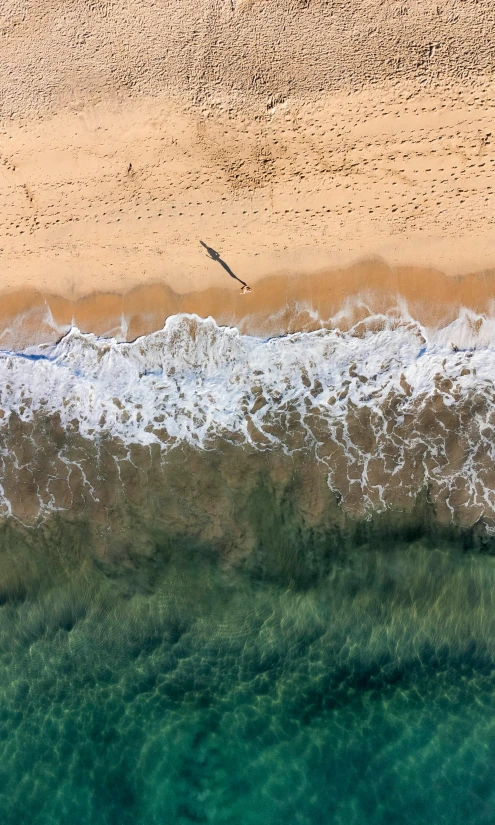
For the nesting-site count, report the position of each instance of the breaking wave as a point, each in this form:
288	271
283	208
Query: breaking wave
387	407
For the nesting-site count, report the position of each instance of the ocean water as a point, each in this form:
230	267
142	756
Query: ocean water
248	580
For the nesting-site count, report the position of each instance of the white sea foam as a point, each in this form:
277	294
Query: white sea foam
194	381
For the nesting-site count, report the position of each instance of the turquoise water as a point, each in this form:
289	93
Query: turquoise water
249	580
191	691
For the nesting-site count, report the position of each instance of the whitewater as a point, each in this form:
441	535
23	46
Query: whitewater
386	405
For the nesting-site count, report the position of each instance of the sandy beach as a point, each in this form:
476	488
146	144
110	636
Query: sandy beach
317	174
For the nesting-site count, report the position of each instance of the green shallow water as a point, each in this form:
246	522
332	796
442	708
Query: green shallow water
190	692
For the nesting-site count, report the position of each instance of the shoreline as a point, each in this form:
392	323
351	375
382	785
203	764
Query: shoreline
277	304
306	202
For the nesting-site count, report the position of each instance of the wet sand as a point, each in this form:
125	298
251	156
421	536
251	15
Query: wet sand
277	305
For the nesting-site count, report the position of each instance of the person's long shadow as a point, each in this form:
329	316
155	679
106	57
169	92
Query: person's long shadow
215	256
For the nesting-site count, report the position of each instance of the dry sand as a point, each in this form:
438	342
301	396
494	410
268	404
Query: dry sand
324	149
